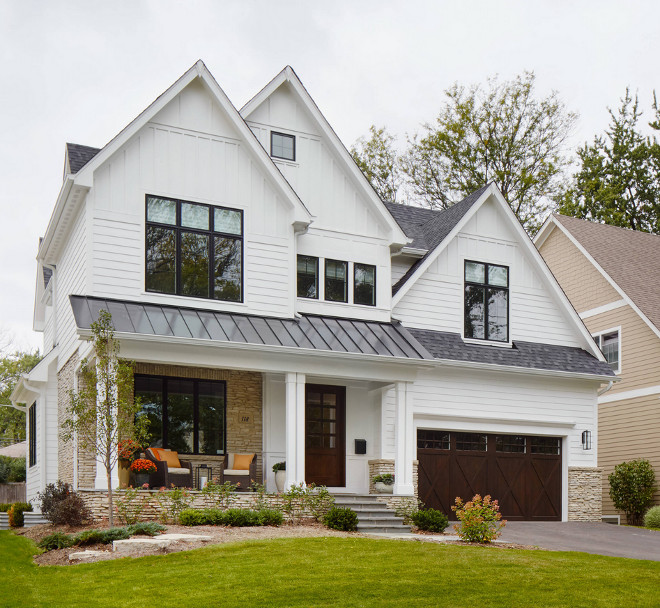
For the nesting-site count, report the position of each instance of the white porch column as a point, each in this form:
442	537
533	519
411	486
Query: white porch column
295	429
403	440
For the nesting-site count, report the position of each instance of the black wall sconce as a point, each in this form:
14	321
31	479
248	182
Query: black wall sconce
586	440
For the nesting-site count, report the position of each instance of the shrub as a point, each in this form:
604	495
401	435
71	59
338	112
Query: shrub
221	495
15	513
293	501
386	478
631	488
480	519
241	518
652	518
130	505
430	520
101	537
192	517
147	528
61	505
4	507
279	466
318	501
56	541
341	518
407	507
270	517
12	469
172	502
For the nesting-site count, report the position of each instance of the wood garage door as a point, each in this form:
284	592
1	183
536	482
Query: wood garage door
522	472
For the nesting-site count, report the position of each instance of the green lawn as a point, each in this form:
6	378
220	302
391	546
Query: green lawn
330	572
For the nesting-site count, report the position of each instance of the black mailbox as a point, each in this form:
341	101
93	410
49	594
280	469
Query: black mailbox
360	446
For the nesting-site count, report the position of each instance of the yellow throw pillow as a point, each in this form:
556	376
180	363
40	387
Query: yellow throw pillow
171	458
242	461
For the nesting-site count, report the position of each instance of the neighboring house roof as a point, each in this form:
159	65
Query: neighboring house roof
308	332
630	258
445	345
429	228
79	156
16	450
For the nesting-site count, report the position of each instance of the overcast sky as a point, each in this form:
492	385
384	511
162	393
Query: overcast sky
79	71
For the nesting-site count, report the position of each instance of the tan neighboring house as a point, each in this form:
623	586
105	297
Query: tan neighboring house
612	277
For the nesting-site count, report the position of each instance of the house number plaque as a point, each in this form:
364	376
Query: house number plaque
245	419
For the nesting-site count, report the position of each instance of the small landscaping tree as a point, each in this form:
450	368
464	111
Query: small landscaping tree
103	411
631	488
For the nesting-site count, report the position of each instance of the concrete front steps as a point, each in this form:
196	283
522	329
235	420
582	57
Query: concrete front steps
373	516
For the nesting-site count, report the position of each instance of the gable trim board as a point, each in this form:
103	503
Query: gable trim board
647	391
551	224
287	75
592	312
493	191
85	176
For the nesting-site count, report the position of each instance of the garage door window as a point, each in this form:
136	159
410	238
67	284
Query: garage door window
433	440
474	442
546	445
512	444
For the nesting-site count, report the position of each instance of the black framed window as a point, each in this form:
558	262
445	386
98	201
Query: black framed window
546	445
194	249
282	146
188	416
435	440
473	442
364	284
336	281
512	444
486	312
609	346
32	430
308	277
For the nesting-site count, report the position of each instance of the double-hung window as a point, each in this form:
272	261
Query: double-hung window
364	284
609	345
308	277
486	302
336	281
194	249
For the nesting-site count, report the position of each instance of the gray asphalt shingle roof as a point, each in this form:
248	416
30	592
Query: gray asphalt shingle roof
79	156
445	345
429	228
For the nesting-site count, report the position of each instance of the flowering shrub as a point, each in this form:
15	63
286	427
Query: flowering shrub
221	495
480	519
142	465
172	502
129	507
128	449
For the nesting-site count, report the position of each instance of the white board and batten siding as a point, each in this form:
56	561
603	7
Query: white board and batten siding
190	152
435	300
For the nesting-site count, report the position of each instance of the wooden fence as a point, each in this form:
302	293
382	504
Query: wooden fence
12	492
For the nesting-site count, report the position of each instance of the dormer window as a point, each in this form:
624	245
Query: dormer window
282	146
194	249
486	302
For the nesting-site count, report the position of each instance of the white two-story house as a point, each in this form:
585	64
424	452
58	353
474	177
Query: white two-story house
274	304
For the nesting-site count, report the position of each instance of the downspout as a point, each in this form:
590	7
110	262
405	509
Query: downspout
298	231
602	391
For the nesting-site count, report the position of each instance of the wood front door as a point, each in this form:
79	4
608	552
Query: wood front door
325	435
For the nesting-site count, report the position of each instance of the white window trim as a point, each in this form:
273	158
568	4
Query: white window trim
610	331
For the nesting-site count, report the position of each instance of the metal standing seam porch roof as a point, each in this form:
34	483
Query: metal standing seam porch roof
308	332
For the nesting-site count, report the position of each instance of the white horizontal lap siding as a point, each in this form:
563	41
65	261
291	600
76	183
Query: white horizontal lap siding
267	277
388	424
399	268
70	279
483	395
49	330
52	429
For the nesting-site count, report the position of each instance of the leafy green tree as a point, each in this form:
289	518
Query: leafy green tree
619	178
377	159
504	134
632	485
104	411
12	421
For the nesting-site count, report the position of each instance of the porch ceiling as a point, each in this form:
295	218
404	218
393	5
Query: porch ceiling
308	332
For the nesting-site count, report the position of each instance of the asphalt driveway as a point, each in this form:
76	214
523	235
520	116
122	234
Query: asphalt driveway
598	538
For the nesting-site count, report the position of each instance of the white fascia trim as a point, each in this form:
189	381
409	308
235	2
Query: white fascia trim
592	312
647	391
55	217
198	70
415	252
398	237
420	363
606	276
396	298
484	420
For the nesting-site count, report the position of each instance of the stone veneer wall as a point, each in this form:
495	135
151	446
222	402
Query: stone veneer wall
385	465
244	408
585	500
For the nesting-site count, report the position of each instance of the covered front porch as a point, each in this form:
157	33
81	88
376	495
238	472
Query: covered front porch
331	398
